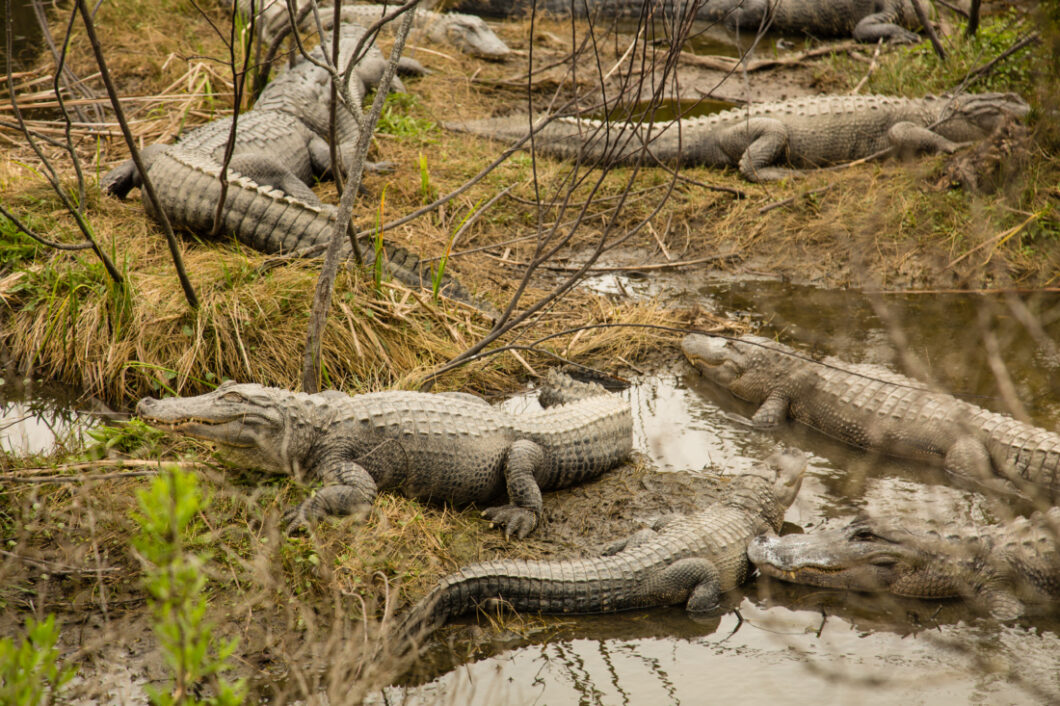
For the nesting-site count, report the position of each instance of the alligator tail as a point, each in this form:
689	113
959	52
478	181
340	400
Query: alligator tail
407	268
591	141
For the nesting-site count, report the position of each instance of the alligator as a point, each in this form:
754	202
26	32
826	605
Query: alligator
998	568
282	141
280	145
468	33
865	20
804	132
682	559
269	220
874	408
451	447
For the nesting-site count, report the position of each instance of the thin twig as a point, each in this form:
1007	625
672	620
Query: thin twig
43	241
79	478
929	29
326	280
146	186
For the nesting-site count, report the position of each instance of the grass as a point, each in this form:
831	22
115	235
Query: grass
303	607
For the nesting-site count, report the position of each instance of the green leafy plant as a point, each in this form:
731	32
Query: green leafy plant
30	672
427	192
395	118
174	578
124	437
915	70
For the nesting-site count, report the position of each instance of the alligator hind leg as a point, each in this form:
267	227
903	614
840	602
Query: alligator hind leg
125	177
694	581
522	515
269	172
882	26
766	143
968	457
350	489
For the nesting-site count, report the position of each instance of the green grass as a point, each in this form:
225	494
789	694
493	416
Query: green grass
916	70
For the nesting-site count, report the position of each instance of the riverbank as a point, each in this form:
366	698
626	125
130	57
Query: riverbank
301	607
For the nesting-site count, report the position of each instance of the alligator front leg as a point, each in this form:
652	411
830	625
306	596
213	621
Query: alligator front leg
639	537
348	489
521	516
773	410
909	139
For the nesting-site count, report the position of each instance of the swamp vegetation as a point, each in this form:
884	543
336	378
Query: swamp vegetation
142	562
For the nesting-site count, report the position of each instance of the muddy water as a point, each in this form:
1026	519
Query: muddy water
37	420
26	40
777	642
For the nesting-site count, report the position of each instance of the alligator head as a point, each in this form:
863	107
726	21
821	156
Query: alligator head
249	422
863	556
471	35
972	116
748	366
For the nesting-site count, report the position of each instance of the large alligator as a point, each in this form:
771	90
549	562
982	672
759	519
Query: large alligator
865	20
874	408
450	447
282	141
684	559
269	220
804	132
999	568
280	147
467	33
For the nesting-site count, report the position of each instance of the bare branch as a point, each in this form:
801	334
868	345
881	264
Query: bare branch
326	280
50	173
134	153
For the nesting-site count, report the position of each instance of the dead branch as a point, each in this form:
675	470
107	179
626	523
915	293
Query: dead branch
1032	38
728	63
146	185
929	29
49	172
326	280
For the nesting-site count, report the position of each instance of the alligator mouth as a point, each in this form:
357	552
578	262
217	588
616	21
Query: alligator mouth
197	426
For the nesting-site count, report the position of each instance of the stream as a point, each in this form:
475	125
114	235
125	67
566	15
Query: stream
778	641
773	641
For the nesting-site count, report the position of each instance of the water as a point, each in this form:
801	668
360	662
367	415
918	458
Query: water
665	111
794	644
39	420
27	40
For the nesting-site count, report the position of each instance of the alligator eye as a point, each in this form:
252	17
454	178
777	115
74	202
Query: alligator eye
883	560
863	535
232	397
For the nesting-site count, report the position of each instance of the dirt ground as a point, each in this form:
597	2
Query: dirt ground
299	606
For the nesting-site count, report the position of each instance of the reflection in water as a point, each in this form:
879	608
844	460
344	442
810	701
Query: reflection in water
794	644
37	423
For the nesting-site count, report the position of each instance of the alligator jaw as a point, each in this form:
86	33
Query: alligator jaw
201	428
713	357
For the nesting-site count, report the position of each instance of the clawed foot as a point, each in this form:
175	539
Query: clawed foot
301	520
295	522
516	520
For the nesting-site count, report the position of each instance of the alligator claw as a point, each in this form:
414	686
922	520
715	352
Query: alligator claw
295	522
516	520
